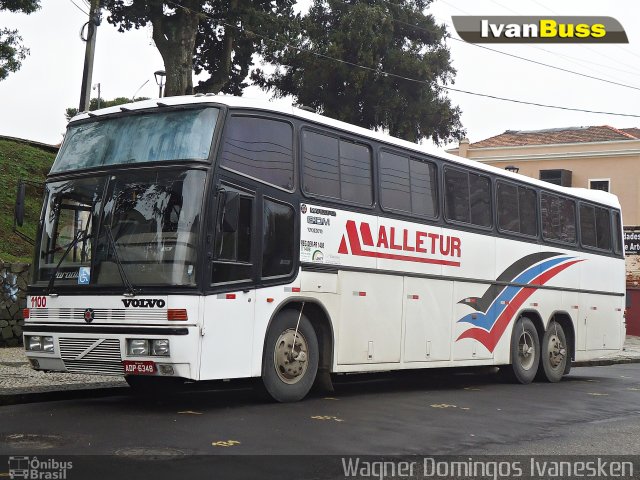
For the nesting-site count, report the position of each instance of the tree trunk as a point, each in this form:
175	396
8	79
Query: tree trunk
175	38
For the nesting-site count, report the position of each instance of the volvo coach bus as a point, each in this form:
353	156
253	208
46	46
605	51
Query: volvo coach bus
211	237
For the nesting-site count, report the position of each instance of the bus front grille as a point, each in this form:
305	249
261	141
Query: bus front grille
92	355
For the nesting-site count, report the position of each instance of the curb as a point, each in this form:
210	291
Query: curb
55	395
100	391
605	362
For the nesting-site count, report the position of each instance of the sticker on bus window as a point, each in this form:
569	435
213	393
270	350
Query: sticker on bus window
84	275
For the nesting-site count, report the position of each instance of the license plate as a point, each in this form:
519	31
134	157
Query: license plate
141	367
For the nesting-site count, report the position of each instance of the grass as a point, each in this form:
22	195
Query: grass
20	161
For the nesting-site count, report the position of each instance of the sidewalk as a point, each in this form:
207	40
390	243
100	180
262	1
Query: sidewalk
20	383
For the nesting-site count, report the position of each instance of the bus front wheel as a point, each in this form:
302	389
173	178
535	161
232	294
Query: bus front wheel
290	358
525	351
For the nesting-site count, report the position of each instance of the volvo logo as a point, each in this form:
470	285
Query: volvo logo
88	315
143	302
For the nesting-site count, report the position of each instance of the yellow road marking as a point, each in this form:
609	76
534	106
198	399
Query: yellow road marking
327	417
190	412
225	443
330	398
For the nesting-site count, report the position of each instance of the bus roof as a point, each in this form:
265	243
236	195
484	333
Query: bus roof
264	104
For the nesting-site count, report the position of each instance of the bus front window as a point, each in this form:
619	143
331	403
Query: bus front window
154	220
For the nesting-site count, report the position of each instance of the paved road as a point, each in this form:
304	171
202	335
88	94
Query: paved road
593	411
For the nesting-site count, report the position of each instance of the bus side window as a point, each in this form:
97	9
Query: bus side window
232	254
278	236
617	232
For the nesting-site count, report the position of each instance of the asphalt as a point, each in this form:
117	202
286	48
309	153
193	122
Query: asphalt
19	383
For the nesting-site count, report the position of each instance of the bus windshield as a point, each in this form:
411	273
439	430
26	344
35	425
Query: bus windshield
146	221
138	138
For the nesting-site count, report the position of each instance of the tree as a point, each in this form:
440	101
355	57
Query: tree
204	35
12	52
382	36
96	103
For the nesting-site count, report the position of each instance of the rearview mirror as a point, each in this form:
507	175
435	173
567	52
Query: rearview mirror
230	202
18	213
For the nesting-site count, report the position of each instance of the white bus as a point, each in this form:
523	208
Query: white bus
211	237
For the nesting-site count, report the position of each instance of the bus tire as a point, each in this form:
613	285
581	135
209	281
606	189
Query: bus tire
288	372
555	354
525	351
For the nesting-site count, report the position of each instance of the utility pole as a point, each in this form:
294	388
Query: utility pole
92	30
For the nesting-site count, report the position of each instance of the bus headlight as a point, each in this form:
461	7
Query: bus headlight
160	347
37	343
47	344
33	342
137	346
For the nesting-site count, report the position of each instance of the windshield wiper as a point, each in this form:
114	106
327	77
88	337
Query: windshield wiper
130	291
81	235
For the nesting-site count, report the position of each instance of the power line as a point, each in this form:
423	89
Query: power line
547	65
78	7
542	49
566	70
401	77
568	57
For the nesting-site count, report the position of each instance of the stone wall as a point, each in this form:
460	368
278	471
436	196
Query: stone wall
14	278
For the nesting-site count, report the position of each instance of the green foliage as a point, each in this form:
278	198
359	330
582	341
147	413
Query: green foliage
220	32
395	37
20	161
12	52
96	103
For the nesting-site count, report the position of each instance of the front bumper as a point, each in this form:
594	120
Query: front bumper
102	352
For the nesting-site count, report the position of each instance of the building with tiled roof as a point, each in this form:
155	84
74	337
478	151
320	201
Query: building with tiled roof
551	136
597	157
601	157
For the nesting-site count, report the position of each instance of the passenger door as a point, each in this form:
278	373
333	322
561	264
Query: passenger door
229	315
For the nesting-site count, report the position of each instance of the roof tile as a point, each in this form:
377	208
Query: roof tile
603	133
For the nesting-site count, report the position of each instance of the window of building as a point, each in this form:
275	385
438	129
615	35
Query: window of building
336	168
467	197
261	148
600	184
558	218
408	184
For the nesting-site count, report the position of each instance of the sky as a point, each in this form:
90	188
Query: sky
33	100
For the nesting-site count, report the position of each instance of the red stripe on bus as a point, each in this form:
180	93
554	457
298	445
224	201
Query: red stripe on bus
490	339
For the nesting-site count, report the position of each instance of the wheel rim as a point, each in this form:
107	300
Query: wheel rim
556	352
290	356
526	350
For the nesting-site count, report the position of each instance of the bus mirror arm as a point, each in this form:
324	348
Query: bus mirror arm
18	214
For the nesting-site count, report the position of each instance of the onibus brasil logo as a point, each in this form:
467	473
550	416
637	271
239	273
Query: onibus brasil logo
33	468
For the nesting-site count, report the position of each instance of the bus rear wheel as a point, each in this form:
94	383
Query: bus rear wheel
555	355
290	358
525	351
